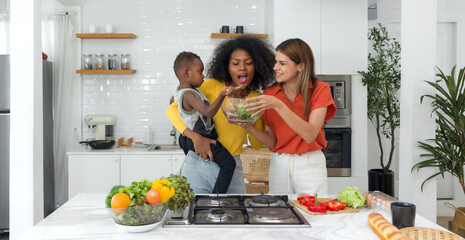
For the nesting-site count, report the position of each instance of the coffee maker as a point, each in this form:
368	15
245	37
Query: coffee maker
103	125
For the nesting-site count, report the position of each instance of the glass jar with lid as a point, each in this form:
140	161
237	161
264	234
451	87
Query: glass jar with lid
112	61
88	63
125	61
99	61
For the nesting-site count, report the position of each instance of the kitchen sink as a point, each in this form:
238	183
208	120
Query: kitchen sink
163	147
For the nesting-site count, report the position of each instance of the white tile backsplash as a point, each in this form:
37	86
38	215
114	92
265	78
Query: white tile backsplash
163	29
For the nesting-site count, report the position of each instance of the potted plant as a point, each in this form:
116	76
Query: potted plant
447	150
383	82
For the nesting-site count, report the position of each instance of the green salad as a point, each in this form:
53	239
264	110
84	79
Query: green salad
141	215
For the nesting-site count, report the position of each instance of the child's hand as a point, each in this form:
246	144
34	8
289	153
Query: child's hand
228	90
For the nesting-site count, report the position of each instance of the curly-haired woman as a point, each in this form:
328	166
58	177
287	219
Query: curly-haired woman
246	62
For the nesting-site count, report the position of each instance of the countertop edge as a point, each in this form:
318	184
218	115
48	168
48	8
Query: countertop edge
119	151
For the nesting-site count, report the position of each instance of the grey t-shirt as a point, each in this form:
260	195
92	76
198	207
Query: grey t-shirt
193	119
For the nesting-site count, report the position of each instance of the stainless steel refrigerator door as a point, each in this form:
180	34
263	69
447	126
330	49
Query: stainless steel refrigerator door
4	170
4	83
49	166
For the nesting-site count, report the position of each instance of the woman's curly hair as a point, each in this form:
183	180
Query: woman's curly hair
262	56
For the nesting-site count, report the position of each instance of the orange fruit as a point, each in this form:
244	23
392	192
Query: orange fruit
119	202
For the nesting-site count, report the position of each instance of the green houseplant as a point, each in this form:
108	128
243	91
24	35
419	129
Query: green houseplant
447	151
382	79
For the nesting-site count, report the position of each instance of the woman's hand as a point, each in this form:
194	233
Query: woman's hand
201	144
262	103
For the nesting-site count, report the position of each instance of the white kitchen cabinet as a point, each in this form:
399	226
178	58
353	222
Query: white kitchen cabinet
151	167
176	162
92	173
139	167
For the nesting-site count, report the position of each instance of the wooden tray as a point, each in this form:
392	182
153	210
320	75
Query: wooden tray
420	233
305	209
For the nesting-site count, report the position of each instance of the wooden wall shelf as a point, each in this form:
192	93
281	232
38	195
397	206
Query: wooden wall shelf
106	35
234	35
130	71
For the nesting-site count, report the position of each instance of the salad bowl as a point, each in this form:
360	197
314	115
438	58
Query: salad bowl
234	110
139	218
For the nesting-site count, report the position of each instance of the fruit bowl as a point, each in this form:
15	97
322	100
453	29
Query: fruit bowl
234	110
139	215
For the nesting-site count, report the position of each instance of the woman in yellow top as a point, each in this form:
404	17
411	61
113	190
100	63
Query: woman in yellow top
246	62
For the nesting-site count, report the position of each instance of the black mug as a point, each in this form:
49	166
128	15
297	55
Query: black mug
403	214
239	29
224	29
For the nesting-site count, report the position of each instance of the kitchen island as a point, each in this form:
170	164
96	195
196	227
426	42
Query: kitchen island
85	217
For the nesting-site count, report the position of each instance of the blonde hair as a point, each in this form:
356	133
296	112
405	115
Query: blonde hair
300	53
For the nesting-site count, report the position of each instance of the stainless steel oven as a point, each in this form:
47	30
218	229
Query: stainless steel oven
338	152
338	130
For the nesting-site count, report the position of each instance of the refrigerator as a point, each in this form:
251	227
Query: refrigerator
4	141
49	177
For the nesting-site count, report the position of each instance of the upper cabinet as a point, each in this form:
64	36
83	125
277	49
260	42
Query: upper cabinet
234	35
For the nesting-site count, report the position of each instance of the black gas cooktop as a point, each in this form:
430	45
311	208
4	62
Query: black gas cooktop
239	211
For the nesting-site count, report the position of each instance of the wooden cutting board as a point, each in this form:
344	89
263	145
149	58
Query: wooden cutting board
305	209
417	233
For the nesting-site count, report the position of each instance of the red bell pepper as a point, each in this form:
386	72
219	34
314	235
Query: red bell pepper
335	205
317	207
304	198
307	202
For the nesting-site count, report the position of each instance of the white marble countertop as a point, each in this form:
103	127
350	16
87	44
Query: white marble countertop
166	149
85	217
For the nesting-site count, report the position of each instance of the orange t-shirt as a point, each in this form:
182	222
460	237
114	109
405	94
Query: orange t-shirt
289	141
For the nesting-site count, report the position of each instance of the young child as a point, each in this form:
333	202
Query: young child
197	113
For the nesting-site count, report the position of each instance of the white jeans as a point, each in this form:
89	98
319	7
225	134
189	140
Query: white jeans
298	173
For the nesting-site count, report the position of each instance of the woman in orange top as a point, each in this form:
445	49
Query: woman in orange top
295	109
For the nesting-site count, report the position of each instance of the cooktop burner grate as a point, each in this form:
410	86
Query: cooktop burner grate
242	210
264	199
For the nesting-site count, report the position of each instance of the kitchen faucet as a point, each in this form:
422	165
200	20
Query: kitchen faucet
173	134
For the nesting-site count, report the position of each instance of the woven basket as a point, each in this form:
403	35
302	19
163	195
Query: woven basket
256	164
458	223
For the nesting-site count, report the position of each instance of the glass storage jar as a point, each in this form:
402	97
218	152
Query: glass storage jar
125	61
99	61
112	61
88	61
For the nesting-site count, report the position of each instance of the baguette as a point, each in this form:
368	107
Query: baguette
384	229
